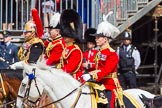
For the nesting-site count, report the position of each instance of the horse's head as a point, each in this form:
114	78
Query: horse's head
147	101
152	102
157	101
56	83
29	91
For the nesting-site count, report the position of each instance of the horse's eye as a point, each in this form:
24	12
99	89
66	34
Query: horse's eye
23	84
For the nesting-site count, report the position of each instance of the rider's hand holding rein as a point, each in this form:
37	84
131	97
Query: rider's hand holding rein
86	77
17	65
91	75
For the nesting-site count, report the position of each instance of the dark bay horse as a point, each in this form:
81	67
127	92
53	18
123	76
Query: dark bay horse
10	81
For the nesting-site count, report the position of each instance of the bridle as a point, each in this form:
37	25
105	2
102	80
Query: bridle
25	98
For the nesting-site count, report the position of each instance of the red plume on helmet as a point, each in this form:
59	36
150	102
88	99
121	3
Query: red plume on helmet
38	23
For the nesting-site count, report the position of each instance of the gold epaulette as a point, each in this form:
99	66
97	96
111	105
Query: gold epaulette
20	54
51	46
108	46
35	40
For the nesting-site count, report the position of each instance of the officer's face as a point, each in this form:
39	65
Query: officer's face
68	40
6	39
101	41
54	33
27	35
90	45
126	42
1	35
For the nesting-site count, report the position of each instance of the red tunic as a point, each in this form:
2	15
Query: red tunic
72	61
89	55
54	50
107	64
108	61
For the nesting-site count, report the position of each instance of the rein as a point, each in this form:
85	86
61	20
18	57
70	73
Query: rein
8	103
75	103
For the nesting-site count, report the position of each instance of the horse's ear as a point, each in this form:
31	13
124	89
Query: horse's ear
144	98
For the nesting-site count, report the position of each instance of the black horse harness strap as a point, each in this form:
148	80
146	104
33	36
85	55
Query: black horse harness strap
8	103
78	96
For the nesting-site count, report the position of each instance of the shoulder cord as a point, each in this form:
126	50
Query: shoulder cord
97	58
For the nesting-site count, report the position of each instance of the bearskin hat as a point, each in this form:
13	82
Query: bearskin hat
71	25
88	37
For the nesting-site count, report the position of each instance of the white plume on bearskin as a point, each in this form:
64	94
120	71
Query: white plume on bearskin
55	19
106	28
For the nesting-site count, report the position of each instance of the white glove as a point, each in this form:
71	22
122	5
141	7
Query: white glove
18	65
12	67
86	77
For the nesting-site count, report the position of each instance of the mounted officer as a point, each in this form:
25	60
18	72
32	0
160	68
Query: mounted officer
106	61
129	62
71	30
32	48
55	43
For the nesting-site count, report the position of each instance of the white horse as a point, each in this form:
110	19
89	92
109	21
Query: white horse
57	84
138	94
146	99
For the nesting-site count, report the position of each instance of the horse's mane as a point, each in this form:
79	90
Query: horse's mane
52	75
12	74
64	76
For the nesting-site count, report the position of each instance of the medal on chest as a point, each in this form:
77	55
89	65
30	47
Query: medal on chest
103	57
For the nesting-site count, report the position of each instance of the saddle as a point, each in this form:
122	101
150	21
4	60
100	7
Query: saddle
99	92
